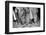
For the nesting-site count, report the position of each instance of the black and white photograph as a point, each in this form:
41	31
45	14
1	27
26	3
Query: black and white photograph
24	17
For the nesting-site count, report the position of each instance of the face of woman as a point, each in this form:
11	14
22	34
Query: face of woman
15	10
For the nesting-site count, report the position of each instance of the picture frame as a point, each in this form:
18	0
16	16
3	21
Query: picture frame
9	23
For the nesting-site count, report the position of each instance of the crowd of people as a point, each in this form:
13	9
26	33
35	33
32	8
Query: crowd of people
26	15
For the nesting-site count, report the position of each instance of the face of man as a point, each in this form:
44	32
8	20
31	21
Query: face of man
34	11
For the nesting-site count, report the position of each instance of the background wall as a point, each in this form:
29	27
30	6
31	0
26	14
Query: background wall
2	18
